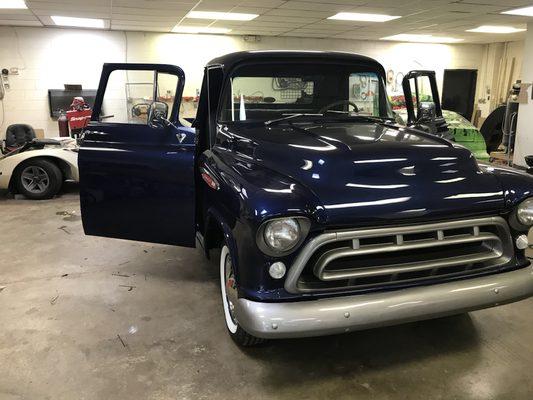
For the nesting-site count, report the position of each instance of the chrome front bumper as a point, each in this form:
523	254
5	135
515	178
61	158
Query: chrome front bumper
352	313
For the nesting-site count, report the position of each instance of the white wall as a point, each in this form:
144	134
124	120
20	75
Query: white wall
524	138
48	58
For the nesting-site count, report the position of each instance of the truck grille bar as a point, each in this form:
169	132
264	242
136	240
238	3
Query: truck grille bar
367	258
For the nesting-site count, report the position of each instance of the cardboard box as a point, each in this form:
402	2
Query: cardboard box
39	133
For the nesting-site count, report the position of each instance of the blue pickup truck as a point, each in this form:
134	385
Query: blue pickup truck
330	216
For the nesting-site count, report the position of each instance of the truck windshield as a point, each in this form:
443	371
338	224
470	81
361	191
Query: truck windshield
266	92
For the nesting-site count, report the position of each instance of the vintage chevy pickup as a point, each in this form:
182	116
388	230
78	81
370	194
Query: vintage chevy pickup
330	217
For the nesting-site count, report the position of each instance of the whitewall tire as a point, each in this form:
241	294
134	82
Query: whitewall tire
228	290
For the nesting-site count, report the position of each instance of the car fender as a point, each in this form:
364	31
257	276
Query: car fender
216	218
66	158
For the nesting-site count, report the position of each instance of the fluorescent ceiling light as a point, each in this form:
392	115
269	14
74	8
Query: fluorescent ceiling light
19	4
348	16
406	37
78	22
228	16
495	29
526	11
199	29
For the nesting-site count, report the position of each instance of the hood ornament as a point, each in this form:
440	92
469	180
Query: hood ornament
408	171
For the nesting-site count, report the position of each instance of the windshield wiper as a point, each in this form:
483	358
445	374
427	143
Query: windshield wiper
372	118
291	116
345	114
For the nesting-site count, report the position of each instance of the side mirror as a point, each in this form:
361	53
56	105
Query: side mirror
158	115
427	111
427	116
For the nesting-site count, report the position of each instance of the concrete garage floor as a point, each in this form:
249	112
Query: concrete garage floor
93	318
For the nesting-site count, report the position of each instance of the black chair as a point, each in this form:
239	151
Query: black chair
492	129
529	162
17	135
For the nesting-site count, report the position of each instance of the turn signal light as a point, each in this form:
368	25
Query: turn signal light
211	182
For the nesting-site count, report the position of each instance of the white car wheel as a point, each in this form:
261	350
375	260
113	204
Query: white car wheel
228	289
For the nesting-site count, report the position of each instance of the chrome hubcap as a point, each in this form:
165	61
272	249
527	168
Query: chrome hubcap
35	179
231	286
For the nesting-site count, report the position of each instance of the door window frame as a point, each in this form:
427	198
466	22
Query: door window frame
108	69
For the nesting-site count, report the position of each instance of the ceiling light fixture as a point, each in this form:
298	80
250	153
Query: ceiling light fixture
199	29
348	16
526	11
496	29
13	4
78	22
227	16
407	37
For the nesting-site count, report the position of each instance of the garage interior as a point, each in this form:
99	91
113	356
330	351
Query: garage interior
87	317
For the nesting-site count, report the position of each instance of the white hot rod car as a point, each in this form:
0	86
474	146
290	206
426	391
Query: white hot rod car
38	168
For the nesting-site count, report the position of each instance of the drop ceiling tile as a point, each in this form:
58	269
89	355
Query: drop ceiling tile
144	11
168	25
17	17
296	34
345	3
500	3
250	10
161	4
138	28
261	3
270	24
473	8
44	14
15	12
254	33
13	22
309	6
275	18
34	3
218	7
57	6
153	18
281	12
304	18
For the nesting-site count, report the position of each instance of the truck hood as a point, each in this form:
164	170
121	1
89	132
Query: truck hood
365	172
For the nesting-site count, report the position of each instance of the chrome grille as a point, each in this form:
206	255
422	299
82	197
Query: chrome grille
367	258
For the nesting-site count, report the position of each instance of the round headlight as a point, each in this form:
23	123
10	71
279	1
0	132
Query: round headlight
282	234
524	212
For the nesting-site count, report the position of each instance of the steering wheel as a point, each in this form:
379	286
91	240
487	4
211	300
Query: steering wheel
338	103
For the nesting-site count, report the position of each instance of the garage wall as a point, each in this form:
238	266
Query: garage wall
524	137
48	58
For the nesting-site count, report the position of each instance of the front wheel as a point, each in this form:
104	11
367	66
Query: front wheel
38	179
228	288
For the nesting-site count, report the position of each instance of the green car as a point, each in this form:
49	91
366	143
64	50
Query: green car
410	111
463	131
466	134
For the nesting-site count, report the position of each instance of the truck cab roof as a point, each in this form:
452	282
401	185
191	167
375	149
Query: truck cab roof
229	61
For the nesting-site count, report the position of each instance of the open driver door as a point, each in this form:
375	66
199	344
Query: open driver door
136	161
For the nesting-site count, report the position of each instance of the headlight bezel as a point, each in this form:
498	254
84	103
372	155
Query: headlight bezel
515	220
304	225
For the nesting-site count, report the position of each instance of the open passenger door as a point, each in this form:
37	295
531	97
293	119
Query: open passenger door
422	101
136	161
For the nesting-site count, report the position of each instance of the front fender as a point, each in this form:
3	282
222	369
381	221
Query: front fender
249	194
516	185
